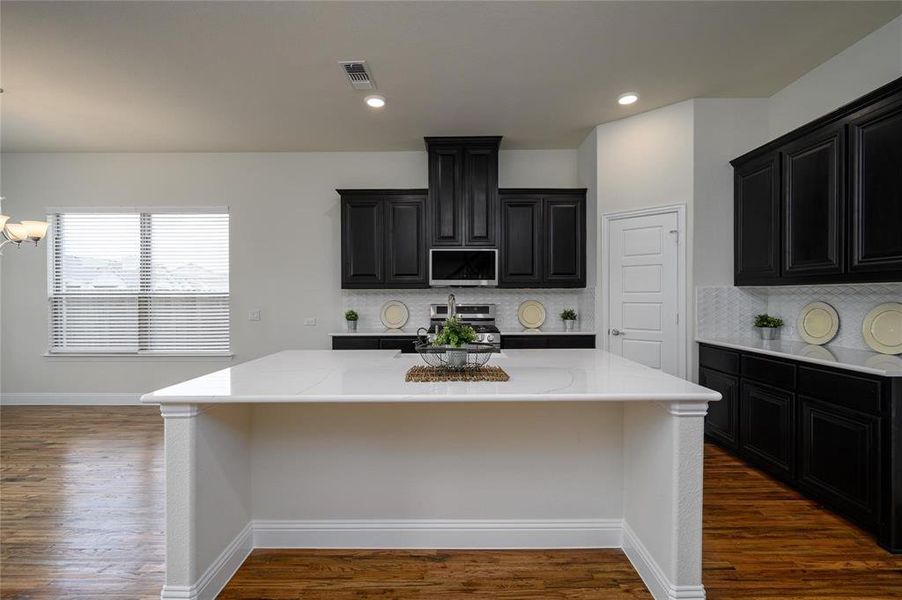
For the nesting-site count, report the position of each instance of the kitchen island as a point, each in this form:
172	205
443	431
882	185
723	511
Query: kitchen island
332	449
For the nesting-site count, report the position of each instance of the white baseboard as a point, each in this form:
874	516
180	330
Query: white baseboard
217	574
444	534
651	573
65	399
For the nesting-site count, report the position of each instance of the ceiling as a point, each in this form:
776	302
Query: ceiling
263	76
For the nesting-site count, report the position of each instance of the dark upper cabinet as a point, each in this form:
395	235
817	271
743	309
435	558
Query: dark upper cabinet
463	190
565	241
722	420
383	238
766	427
813	203
543	238
875	193
521	241
757	220
823	203
405	247
362	241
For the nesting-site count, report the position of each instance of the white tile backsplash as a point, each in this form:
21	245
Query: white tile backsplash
368	304
727	312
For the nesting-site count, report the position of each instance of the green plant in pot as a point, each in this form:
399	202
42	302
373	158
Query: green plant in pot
568	315
351	317
768	326
455	335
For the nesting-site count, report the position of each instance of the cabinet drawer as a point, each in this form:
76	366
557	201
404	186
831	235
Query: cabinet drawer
838	458
722	421
850	391
404	344
719	359
523	341
766	370
355	343
571	341
767	428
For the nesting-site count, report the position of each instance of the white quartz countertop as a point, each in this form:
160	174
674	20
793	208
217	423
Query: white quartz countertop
862	361
407	331
365	376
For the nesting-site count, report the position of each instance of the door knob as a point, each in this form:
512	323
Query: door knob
616	332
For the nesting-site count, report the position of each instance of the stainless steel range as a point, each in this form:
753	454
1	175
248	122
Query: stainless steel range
480	317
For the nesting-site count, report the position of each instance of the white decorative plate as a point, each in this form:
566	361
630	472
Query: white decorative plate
818	323
884	362
882	328
531	314
394	314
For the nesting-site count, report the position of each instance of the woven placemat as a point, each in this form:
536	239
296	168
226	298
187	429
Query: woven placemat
430	374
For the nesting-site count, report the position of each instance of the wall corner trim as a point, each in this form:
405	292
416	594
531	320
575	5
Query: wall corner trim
218	573
652	575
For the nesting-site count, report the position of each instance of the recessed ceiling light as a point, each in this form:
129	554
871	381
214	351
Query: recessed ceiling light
628	98
375	101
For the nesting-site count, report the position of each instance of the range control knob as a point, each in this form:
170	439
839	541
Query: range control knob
488	338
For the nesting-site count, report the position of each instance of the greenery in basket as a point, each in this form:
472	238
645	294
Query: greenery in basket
351	315
454	333
568	314
766	320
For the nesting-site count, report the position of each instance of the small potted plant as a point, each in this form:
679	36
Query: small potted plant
569	317
768	326
351	317
454	335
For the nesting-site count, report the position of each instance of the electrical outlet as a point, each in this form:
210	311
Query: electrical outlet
310	321
254	315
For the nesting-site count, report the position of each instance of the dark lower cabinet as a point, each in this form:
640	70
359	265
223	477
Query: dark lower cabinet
360	342
838	459
766	427
722	422
833	434
532	341
543	238
383	239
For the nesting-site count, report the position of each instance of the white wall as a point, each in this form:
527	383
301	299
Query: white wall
284	245
862	67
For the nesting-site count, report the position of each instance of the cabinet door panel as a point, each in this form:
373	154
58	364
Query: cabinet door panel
813	201
722	420
838	459
405	242
362	242
766	428
875	213
445	179
481	196
565	241
757	221
521	254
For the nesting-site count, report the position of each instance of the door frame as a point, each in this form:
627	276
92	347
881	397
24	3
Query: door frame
683	326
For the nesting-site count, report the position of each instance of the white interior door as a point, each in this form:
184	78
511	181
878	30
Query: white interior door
643	301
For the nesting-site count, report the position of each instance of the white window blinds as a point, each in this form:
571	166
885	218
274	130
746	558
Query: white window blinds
139	282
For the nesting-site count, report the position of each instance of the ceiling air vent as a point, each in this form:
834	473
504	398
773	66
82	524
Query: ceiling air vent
358	74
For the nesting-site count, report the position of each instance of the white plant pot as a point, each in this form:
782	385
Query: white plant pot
456	358
352	325
568	324
768	333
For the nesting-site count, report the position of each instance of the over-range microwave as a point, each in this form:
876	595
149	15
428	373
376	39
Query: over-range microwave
463	267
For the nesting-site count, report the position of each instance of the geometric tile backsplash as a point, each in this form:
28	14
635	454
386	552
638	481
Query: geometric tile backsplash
368	304
728	311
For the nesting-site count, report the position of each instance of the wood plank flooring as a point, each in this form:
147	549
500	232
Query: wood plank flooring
81	516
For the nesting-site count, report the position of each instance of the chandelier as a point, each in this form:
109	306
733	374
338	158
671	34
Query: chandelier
26	231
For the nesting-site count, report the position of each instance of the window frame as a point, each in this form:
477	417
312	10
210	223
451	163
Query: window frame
143	211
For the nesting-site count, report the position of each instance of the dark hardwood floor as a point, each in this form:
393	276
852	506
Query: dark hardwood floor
81	516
